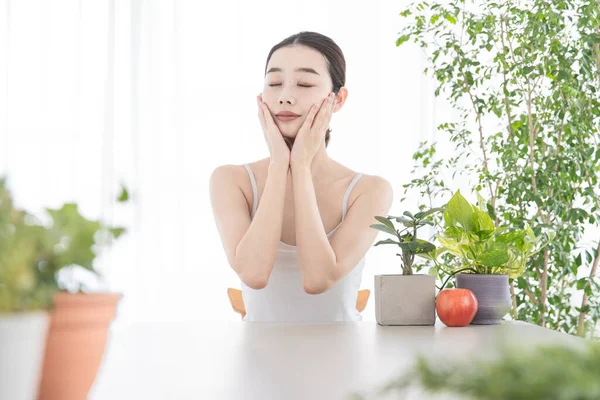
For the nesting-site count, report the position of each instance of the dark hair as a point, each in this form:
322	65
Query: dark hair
336	63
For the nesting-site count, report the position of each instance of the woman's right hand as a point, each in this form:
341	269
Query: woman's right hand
280	152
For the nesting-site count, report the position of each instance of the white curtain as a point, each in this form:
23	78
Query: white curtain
156	94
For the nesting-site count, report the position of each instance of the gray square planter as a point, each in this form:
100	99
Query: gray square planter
405	299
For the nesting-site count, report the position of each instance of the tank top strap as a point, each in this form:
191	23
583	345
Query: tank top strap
347	195
254	190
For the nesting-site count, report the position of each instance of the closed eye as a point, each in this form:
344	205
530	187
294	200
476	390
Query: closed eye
279	84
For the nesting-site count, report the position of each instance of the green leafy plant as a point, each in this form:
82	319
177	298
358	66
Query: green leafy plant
523	79
406	238
482	248
31	253
550	372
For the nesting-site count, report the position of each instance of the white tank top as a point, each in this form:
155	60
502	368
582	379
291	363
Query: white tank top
284	298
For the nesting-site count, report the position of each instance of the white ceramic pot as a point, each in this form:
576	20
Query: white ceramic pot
22	344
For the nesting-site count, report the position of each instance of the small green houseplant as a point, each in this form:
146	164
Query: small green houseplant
32	254
487	255
406	238
80	318
407	298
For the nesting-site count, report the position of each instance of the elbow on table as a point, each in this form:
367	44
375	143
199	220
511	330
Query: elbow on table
316	287
255	282
251	274
319	284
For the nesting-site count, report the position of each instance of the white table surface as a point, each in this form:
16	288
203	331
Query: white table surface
242	360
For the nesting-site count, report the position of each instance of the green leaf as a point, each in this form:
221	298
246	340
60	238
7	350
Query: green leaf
588	256
433	271
116	232
461	211
425	247
527	70
450	19
511	238
449	219
490	211
386	241
408	214
383	228
454	232
451	245
417	247
386	222
402	39
423	214
494	256
124	196
405	221
480	202
434	254
484	221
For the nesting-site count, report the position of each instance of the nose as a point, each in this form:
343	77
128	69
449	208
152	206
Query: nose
286	95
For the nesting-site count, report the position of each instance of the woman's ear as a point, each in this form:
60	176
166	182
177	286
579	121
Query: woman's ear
340	99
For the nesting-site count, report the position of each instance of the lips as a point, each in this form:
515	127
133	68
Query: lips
287	114
286	118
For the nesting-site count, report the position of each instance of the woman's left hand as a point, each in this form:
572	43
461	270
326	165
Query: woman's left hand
311	135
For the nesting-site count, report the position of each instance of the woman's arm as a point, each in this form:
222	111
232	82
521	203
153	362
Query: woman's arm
251	245
323	264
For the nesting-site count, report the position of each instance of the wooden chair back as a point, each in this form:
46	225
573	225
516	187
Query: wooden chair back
237	302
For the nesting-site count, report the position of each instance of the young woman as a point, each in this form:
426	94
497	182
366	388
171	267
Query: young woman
295	225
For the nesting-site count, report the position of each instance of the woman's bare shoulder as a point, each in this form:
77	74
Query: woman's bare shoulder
368	184
238	173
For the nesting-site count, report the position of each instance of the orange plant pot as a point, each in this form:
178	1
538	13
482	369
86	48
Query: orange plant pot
75	343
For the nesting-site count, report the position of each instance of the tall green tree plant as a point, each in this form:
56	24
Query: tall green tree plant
524	78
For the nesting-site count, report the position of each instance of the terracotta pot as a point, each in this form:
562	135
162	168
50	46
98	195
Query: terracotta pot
75	344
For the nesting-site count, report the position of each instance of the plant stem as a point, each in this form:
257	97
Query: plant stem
531	296
584	301
511	133
544	287
562	294
514	300
454	273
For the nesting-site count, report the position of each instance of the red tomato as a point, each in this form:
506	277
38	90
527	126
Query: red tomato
456	307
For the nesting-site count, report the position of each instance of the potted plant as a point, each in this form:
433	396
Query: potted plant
487	255
23	315
65	345
407	298
80	319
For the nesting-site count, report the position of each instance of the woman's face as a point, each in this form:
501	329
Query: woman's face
297	77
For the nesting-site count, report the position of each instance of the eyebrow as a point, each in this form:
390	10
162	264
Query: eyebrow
309	70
